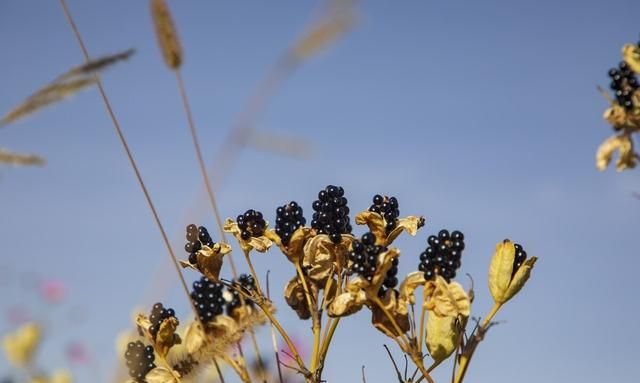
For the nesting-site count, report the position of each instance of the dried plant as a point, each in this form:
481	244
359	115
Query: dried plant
623	113
335	273
20	159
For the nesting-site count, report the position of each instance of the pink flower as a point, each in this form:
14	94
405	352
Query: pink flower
52	290
77	353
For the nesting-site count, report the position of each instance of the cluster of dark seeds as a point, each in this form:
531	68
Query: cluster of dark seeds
364	256
388	208
139	360
158	315
519	259
442	256
246	282
196	237
331	213
624	83
288	218
208	299
251	224
185	366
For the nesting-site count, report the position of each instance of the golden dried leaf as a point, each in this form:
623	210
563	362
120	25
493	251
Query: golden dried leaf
20	346
385	262
166	34
294	250
631	54
166	336
295	296
160	375
623	144
209	260
503	284
408	286
260	244
350	300
19	159
194	338
377	225
443	336
448	299
322	258
398	311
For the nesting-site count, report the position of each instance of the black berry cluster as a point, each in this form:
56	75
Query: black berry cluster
388	208
364	256
442	256
288	219
139	360
246	282
624	83
520	257
158	315
251	224
196	237
208	299
331	213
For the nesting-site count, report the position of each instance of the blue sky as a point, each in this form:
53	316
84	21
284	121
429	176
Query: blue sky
481	116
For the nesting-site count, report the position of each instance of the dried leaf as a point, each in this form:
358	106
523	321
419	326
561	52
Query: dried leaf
631	54
19	159
20	346
166	336
194	338
385	262
295	296
623	144
294	250
377	225
407	288
350	301
448	299
209	260
398	311
166	34
160	375
260	244
323	258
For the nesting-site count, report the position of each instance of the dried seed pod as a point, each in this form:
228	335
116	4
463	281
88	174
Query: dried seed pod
166	34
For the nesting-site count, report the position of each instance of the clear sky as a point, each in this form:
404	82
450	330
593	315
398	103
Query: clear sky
481	116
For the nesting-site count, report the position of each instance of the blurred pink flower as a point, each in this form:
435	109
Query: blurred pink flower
77	353
52	290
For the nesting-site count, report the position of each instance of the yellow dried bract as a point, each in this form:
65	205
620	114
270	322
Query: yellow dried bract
160	375
631	55
260	244
377	224
397	309
623	144
295	297
294	250
20	346
322	258
166	34
503	283
209	260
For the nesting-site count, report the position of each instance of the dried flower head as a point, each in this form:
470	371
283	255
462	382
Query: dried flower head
166	34
20	346
623	144
509	271
383	220
250	230
204	254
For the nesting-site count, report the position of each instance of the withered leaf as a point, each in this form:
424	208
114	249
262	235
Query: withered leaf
377	225
260	244
194	338
408	286
323	258
627	158
631	54
398	311
160	375
350	300
295	296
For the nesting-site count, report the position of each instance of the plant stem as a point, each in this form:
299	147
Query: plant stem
176	376
316	326
465	358
405	341
327	341
240	370
252	270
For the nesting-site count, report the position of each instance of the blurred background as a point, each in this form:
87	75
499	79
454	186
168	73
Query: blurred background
481	116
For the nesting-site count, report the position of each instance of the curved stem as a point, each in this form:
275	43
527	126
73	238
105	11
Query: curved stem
465	358
316	326
240	370
402	336
327	342
252	270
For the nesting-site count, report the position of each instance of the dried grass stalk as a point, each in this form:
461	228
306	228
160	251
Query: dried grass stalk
69	83
48	95
323	34
166	34
97	65
19	159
